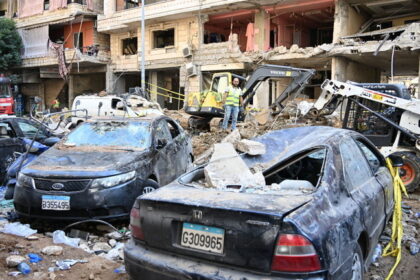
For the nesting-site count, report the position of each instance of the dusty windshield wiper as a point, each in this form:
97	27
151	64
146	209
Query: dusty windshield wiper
122	149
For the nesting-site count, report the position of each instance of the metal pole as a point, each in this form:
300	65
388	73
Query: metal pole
143	74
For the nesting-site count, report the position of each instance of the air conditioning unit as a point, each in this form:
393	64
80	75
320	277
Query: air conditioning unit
187	51
191	69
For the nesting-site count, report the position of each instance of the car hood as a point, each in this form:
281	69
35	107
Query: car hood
75	163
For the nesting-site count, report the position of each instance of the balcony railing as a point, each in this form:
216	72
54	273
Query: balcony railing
129	4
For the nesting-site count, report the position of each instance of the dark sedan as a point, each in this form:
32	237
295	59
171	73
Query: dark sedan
327	198
99	169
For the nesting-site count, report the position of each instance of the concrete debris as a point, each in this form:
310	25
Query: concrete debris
112	242
233	137
101	247
114	235
13	261
226	169
52	250
250	147
32	238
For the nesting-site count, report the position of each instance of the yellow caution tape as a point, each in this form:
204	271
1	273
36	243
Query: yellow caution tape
165	89
165	95
394	246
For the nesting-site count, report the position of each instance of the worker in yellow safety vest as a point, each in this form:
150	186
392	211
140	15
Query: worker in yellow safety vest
232	102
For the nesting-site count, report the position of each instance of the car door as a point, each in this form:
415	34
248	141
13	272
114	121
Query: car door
9	143
364	188
181	149
165	166
380	171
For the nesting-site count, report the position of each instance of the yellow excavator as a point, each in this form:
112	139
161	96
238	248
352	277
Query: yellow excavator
204	106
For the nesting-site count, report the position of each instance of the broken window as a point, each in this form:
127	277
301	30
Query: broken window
163	132
46	5
173	128
220	84
78	40
305	166
163	38
129	46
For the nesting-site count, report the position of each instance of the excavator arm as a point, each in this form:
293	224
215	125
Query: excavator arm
300	78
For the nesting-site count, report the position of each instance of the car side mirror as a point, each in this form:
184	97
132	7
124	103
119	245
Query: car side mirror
397	161
161	143
50	141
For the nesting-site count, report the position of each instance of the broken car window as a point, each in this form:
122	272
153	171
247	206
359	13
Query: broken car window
111	134
356	169
307	167
163	132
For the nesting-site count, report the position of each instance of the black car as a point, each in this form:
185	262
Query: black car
99	169
12	130
327	198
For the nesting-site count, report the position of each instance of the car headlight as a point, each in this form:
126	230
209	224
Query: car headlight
108	182
25	181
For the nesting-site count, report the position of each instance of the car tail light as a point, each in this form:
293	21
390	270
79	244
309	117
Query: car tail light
135	226
295	253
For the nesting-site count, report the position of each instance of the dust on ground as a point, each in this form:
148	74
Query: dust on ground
409	266
98	267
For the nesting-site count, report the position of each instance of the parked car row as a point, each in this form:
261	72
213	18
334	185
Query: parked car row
324	219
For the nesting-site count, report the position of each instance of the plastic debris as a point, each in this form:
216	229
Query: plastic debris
120	270
417	215
24	268
114	253
18	229
34	258
59	237
7	204
414	248
377	253
14	273
67	264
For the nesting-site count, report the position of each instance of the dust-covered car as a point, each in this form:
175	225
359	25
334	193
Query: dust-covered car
99	169
325	202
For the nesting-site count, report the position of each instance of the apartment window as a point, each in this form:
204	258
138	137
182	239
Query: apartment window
2	13
131	4
129	46
81	2
46	5
163	38
78	40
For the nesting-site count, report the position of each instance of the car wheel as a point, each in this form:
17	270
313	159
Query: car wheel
410	171
357	264
149	186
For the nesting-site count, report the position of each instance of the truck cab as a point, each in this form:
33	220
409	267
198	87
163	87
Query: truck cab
6	98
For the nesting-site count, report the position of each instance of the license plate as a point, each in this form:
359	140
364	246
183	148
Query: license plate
55	202
209	239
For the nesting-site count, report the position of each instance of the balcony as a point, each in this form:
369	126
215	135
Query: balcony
129	16
76	7
72	56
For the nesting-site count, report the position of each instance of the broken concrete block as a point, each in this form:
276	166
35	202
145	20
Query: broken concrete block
226	168
250	147
114	235
232	137
52	250
14	260
101	247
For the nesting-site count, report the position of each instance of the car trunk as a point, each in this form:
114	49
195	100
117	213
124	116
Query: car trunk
249	223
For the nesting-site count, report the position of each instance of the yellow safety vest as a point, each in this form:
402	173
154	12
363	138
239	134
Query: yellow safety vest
233	95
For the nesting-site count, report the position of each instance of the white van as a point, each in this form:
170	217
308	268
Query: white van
110	106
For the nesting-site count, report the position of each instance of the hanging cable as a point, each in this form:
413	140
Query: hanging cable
392	63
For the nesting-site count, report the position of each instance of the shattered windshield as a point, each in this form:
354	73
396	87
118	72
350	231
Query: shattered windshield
4	91
122	134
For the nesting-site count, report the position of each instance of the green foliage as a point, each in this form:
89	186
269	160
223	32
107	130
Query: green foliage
10	45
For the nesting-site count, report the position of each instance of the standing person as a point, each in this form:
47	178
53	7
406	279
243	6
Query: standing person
232	102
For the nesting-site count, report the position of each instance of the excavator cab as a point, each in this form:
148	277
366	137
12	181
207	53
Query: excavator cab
210	102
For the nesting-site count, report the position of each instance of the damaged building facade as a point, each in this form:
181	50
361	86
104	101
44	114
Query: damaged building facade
64	55
188	41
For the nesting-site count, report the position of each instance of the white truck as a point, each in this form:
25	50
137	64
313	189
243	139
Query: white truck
112	106
384	113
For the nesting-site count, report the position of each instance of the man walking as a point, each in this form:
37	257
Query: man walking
232	102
